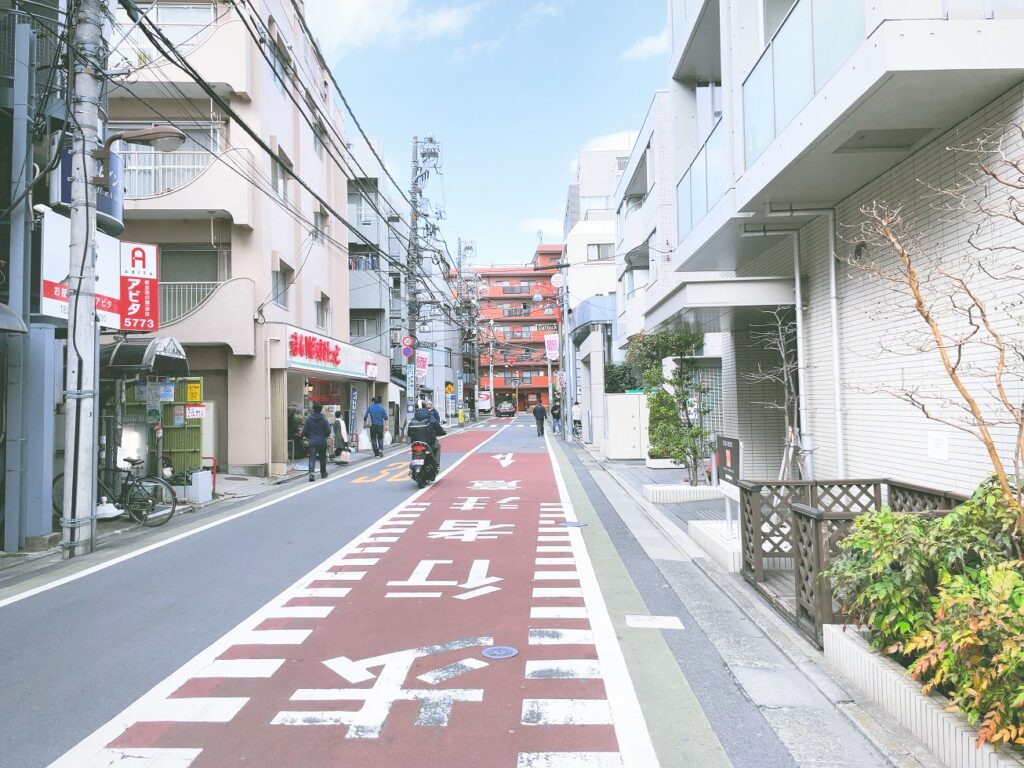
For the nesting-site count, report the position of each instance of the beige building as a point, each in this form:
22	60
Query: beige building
254	269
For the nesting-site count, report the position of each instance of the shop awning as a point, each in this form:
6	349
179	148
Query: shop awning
162	356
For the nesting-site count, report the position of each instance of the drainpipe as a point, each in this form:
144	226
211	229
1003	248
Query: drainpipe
833	301
806	436
270	410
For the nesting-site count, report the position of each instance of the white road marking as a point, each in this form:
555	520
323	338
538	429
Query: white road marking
654	622
330	592
569	760
555	561
452	670
414	594
86	752
566	712
300	612
631	732
563	669
563	537
273	637
550	529
241	668
558	612
382	540
392	531
545	516
339	576
143	758
357	561
197	710
556	576
564	548
560	637
371	550
557	592
477	593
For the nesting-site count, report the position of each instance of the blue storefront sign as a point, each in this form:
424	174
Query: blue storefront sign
109	201
352	411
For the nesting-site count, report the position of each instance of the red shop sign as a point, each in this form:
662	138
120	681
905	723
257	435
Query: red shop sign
314	349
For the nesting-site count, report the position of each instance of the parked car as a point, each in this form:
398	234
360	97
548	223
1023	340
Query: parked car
506	409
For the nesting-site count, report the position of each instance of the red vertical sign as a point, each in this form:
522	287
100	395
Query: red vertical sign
140	293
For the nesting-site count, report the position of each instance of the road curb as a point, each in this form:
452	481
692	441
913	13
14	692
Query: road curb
889	742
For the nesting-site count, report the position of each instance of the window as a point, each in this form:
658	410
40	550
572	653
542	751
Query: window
600	252
319	225
593	204
279	179
549	310
448	357
281	281
621	163
363	326
318	144
361	207
526	377
363	260
185	25
278	65
148	172
323	312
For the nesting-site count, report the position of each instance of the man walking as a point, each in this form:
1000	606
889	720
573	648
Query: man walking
316	430
377	419
540	413
556	417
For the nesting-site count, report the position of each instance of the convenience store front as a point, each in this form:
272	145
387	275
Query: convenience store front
338	375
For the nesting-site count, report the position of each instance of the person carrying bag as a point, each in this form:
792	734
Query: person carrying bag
342	454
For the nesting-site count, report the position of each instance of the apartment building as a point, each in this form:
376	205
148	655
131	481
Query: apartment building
254	265
787	119
520	309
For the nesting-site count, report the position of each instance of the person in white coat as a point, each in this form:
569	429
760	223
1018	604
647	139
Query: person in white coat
340	434
577	415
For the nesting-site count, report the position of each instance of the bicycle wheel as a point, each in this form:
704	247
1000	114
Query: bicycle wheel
151	501
58	499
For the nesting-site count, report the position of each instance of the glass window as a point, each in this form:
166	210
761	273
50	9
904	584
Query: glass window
758	110
600	252
793	65
323	312
279	179
699	187
319	225
318	144
718	164
281	281
838	30
277	64
683	206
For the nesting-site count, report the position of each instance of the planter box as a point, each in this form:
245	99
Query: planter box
946	734
662	464
721	543
678	494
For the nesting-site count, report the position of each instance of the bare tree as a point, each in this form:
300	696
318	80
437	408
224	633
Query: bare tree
955	295
778	336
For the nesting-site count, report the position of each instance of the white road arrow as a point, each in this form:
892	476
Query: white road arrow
504	459
479	583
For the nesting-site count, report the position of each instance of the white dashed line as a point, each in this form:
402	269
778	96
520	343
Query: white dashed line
273	637
566	712
563	669
557	592
196	710
558	612
561	637
241	668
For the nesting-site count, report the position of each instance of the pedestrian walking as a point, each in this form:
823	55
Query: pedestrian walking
556	417
340	432
429	405
316	430
377	419
577	418
540	413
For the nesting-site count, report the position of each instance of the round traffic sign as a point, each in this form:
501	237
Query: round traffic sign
407	352
410	408
511	361
408	341
557	281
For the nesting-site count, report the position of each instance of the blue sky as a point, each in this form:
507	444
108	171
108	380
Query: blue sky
512	88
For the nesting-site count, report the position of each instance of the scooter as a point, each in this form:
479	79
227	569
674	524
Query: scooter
423	465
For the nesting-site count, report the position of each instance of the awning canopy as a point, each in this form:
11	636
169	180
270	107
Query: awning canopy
162	356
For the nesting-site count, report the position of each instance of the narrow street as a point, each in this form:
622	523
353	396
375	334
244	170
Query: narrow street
499	617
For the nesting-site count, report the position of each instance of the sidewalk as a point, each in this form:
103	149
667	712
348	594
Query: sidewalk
818	715
230	488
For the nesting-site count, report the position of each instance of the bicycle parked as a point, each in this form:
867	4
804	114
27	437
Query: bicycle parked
149	500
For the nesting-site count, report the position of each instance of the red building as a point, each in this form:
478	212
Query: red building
519	307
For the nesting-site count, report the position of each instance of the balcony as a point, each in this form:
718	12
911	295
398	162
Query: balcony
368	289
631	318
177	300
166	186
845	91
548	314
228	307
203	45
596	309
705	181
544	288
712	303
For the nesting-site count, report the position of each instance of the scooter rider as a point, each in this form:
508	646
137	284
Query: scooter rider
426	414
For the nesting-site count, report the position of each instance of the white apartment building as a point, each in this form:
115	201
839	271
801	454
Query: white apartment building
786	119
254	268
590	280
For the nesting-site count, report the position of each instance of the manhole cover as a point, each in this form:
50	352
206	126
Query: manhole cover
572	525
500	652
233	477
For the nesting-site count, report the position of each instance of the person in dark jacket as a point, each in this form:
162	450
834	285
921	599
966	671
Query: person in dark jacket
556	417
433	411
540	413
316	430
426	414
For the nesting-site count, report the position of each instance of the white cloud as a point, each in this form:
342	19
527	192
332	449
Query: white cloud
648	47
464	53
536	13
346	26
551	227
622	140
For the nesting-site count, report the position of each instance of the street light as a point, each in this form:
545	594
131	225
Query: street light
163	138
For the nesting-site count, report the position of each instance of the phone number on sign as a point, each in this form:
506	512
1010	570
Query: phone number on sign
138	324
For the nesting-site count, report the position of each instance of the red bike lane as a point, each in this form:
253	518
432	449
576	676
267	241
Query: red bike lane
391	652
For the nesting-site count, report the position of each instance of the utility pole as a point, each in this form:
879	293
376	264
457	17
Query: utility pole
81	382
414	263
490	372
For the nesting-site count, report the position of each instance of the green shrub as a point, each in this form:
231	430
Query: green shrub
945	595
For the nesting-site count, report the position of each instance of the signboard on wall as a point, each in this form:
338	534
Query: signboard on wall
140	287
353	403
310	351
730	467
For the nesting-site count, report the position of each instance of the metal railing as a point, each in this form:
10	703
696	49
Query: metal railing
148	173
790	532
180	299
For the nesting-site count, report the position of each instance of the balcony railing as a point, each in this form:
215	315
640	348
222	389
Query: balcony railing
705	181
814	41
148	173
179	299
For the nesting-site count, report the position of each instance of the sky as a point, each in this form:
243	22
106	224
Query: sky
513	90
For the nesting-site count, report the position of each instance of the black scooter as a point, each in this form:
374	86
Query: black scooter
424	463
